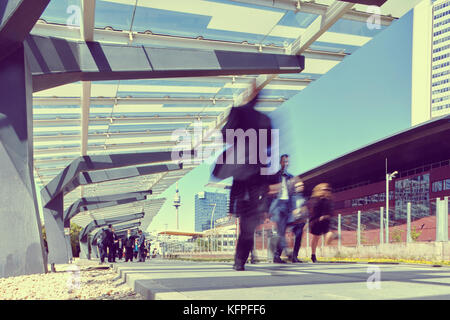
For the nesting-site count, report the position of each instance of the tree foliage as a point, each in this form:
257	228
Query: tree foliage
74	241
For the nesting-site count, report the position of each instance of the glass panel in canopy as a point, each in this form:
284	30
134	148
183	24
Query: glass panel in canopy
65	12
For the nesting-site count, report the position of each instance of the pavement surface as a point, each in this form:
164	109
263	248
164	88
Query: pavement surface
160	279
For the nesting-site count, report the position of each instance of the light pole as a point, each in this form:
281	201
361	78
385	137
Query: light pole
389	177
212	217
177	203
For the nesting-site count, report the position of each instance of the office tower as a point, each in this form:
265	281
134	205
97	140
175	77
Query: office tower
209	206
431	61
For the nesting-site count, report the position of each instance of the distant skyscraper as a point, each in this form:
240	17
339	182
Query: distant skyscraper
431	61
205	203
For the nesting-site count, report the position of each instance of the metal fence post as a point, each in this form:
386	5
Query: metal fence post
358	232
339	231
442	219
381	225
386	238
322	243
262	242
408	222
307	235
445	209
438	220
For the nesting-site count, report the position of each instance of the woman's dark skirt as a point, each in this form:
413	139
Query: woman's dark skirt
319	228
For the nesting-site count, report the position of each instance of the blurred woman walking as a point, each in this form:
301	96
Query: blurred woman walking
320	212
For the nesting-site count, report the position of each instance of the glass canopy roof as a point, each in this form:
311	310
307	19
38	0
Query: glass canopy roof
140	115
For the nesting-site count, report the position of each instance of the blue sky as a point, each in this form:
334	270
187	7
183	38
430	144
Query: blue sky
363	99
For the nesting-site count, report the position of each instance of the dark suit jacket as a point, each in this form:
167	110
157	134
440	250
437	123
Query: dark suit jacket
248	197
249	187
141	241
274	179
277	177
245	118
129	242
109	238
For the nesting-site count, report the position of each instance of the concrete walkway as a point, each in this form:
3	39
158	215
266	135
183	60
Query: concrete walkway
182	280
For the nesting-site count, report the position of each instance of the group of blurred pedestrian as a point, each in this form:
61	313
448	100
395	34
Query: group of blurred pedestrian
131	247
290	209
257	193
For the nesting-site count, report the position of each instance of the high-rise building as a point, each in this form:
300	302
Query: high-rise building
431	61
209	206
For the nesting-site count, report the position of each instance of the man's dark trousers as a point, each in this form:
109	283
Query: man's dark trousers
102	252
247	224
298	231
128	254
141	254
282	219
112	252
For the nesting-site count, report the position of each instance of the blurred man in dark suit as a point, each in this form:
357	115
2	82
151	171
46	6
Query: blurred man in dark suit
141	246
245	130
129	244
111	240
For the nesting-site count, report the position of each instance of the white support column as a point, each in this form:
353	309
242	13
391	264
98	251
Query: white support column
87	26
85	106
87	34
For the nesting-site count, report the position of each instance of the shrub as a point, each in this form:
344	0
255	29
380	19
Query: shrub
397	235
415	234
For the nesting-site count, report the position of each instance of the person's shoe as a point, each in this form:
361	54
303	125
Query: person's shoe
238	267
278	260
313	258
253	261
295	260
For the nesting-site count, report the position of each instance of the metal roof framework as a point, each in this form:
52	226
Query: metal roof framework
103	117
